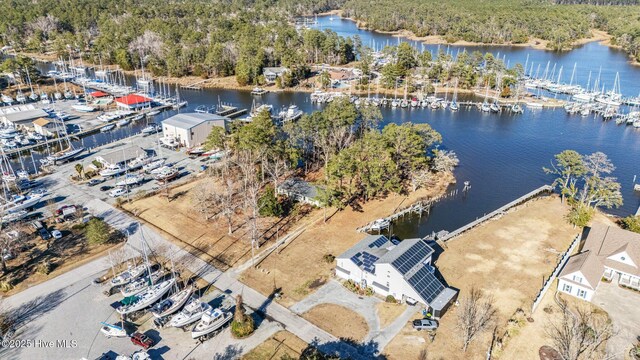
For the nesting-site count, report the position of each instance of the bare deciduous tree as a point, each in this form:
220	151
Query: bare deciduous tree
445	161
202	198
420	178
475	315
226	202
579	335
148	43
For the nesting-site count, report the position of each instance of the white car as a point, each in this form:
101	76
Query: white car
117	192
56	234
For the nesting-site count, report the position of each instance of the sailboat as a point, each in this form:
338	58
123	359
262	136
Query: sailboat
454	101
147	298
112	330
173	303
191	313
485	105
179	104
128	275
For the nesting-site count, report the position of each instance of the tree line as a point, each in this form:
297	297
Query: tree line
176	38
504	21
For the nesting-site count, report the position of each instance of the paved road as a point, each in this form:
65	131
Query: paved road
622	307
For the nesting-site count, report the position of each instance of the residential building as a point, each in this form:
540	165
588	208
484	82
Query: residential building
192	129
133	102
299	190
47	127
607	252
272	73
122	156
399	268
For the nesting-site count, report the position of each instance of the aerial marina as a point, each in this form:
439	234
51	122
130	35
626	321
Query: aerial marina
334	180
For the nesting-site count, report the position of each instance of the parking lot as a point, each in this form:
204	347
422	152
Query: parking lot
622	307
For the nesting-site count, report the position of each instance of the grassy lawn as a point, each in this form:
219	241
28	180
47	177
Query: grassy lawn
281	343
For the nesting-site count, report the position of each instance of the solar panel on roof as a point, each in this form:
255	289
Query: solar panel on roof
426	284
379	242
413	256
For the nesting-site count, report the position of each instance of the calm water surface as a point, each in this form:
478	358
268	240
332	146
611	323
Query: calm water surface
501	155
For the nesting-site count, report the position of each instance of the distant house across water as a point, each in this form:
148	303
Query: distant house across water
272	73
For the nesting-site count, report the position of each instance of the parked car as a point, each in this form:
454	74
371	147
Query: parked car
96	181
44	234
117	192
425	324
56	234
141	339
106	188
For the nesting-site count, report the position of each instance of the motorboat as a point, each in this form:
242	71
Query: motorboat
21	202
128	275
112	170
83	108
165	173
151	295
169	141
485	107
258	91
108	128
379	224
517	109
173	303
191	313
112	330
494	107
152	113
180	105
14	216
292	113
129	180
151	129
123	122
211	321
153	165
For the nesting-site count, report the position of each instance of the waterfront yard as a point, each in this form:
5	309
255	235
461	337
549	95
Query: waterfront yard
338	321
303	264
280	344
507	258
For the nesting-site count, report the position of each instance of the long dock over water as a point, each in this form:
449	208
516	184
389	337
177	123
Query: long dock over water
499	211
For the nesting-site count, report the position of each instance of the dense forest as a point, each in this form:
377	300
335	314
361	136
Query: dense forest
503	21
203	38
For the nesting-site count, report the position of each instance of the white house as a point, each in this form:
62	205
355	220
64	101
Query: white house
192	129
272	73
299	190
401	269
607	252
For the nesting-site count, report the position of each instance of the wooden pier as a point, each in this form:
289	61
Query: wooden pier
500	211
230	111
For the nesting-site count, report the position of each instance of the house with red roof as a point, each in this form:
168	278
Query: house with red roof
133	102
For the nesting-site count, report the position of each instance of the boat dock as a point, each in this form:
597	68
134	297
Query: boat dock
500	211
194	86
230	111
77	135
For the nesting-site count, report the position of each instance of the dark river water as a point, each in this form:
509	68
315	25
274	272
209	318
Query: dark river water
501	155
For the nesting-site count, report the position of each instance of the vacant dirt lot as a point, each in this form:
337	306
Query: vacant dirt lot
208	238
281	343
300	266
338	321
506	258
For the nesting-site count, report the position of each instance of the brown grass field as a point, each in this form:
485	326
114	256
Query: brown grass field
507	258
281	343
338	321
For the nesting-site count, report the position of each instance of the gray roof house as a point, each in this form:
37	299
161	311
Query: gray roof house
272	73
399	268
299	190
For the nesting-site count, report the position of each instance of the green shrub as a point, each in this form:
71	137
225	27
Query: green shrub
242	329
97	231
390	299
44	268
269	204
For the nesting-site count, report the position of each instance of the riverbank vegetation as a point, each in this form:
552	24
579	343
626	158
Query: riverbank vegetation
503	21
585	182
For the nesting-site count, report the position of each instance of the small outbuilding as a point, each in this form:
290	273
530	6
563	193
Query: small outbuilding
192	129
47	127
299	190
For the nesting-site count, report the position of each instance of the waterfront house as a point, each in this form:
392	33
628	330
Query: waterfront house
401	269
192	129
299	190
122	156
47	127
133	102
272	73
607	253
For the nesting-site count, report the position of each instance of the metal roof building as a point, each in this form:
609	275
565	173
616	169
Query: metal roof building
192	129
